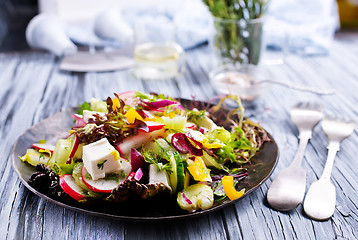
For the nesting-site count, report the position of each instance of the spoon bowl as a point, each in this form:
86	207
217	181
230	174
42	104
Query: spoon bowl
320	200
288	189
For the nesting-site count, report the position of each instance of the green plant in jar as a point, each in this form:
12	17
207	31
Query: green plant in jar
239	26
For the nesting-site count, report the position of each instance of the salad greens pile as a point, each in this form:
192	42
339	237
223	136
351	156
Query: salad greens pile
146	145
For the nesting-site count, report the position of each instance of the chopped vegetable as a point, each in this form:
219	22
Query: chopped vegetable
33	157
98	105
44	147
132	115
196	196
186	144
84	106
180	171
60	156
229	188
199	171
137	160
177	123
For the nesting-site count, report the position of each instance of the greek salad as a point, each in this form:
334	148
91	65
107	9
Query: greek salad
143	145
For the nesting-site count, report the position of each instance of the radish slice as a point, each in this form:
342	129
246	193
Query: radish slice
138	140
191	125
74	147
69	186
203	130
100	185
128	98
147	114
153	126
43	146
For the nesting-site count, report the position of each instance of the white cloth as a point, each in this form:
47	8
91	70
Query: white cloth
191	17
306	27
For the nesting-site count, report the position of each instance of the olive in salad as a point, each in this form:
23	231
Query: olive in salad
146	145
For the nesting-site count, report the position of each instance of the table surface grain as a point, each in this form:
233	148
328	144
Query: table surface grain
33	88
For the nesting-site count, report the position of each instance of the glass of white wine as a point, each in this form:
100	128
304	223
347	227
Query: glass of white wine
157	55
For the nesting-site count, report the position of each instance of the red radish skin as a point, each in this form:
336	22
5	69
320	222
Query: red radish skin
148	114
100	185
69	186
74	147
153	126
43	146
191	125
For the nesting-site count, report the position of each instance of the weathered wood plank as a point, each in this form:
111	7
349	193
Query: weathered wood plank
32	88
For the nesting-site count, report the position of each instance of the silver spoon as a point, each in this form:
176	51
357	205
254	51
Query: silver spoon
320	200
288	189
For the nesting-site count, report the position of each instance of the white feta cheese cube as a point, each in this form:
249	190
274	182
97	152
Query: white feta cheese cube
100	158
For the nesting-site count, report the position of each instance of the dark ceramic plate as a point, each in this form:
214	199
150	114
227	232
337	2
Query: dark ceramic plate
58	125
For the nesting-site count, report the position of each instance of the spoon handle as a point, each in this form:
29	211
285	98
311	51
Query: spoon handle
303	88
304	137
333	148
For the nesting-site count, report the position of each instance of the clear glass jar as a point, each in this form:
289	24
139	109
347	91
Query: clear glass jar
238	41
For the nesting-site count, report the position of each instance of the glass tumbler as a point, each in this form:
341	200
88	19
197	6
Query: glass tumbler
157	55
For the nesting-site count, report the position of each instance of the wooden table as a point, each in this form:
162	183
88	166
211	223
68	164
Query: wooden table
32	88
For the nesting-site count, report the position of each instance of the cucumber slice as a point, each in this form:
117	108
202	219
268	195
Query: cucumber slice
180	171
173	175
76	174
62	151
60	156
221	134
176	123
196	196
176	175
211	162
98	105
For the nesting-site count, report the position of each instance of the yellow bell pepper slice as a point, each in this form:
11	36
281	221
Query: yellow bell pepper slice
169	115
209	145
199	171
115	104
151	119
132	115
229	188
45	151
